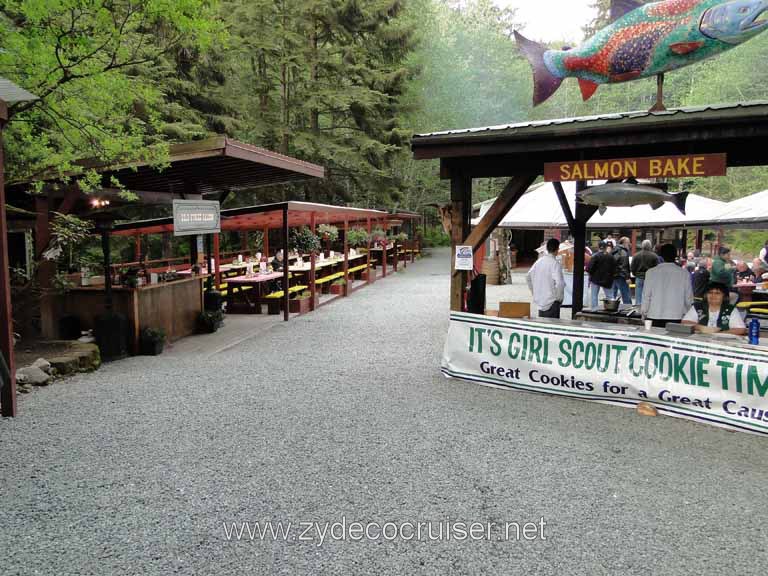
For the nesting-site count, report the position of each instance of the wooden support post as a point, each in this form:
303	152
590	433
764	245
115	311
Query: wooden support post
285	263
265	245
46	269
684	242
209	261
384	253
368	254
345	289
564	204
699	240
7	385
192	250
137	247
583	214
312	257
512	192
634	241
461	200
244	241
217	259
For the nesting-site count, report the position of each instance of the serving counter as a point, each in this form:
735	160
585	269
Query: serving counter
716	379
172	306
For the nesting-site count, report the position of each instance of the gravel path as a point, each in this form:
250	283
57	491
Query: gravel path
343	413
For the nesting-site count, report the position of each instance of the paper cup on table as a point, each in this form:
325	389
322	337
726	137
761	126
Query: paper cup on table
648	324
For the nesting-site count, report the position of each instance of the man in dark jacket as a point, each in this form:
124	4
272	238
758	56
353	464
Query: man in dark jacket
643	261
601	269
621	274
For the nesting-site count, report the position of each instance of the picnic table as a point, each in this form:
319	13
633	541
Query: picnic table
248	291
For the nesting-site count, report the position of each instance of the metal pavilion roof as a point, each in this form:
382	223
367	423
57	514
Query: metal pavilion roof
596	121
10	92
264	216
210	166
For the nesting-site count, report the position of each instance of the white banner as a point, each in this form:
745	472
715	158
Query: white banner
719	382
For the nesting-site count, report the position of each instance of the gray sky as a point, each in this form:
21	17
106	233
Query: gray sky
552	19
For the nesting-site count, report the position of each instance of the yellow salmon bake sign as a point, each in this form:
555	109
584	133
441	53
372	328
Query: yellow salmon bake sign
698	165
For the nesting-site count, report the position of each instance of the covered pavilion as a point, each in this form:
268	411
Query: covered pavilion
279	216
520	151
212	169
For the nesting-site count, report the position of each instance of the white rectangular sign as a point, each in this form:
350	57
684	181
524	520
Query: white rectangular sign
711	381
192	217
464	259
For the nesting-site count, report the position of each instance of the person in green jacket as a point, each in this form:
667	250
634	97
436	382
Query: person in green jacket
723	269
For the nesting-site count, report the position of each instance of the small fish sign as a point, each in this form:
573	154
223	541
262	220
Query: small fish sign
689	166
464	259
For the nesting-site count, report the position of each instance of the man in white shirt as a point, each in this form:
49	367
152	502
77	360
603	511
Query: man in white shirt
546	282
667	292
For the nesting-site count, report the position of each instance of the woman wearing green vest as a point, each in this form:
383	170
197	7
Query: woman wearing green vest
715	313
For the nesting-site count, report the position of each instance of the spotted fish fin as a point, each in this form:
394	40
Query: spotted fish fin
544	82
683	48
621	7
657	205
588	88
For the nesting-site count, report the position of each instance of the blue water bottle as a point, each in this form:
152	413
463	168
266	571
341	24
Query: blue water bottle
754	331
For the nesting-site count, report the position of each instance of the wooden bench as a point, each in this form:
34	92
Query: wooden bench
325	281
274	300
357	270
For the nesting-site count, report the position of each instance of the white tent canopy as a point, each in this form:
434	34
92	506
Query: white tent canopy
539	208
746	212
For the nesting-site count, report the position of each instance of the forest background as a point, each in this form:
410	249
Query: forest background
341	83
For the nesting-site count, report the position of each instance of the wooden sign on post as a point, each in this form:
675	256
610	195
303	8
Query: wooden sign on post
695	165
193	217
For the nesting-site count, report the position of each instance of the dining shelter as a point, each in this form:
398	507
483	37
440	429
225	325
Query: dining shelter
278	216
211	169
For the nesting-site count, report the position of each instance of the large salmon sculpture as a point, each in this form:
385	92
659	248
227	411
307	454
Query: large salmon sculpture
646	40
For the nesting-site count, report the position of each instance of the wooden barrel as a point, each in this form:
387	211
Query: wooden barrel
491	270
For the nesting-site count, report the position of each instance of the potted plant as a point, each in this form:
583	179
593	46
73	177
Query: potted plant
328	232
337	286
303	241
378	236
151	341
357	237
209	321
300	304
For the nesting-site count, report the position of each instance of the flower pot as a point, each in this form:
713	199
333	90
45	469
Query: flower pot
299	306
151	347
337	288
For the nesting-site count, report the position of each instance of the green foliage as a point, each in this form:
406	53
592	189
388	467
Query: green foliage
435	236
328	231
378	236
357	237
152	334
304	241
81	58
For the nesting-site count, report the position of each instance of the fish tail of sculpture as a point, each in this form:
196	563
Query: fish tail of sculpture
679	200
544	82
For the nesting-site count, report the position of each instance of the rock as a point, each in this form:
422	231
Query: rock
33	375
43	364
646	409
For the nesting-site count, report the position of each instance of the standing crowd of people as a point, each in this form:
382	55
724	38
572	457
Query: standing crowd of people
694	290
